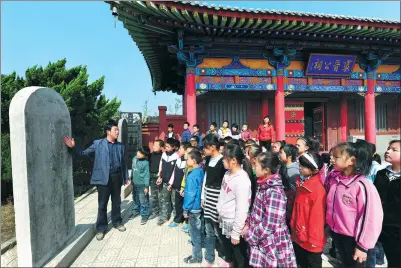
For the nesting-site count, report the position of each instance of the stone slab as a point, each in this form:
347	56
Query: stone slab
42	174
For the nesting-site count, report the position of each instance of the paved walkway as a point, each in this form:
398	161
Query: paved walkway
140	246
85	217
146	245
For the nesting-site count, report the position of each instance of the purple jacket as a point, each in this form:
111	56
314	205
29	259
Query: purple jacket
268	236
354	208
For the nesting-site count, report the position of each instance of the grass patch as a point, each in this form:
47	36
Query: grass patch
7	222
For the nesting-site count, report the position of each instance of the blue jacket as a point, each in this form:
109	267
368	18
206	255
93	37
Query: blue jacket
193	190
186	136
200	139
140	171
101	166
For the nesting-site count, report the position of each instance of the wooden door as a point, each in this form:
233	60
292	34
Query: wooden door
294	121
319	130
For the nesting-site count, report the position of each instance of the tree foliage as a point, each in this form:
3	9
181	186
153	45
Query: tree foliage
89	108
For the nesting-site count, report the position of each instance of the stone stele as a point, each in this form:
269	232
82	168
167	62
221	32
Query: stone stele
42	174
123	135
123	138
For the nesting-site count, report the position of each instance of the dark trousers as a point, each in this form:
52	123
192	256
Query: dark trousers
392	249
154	193
141	201
345	245
166	202
213	240
113	189
178	200
265	144
194	221
375	256
307	259
202	231
236	254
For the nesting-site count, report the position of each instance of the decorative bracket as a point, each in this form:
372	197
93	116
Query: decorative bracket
281	57
364	94
369	61
286	93
190	55
361	94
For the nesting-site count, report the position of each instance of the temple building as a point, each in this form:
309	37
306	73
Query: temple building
331	76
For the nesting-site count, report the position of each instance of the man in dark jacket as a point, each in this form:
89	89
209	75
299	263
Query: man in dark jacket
109	174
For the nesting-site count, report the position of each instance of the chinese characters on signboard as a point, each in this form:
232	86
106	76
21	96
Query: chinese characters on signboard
330	65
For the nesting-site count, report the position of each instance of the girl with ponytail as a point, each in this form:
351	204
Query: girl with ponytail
251	153
233	205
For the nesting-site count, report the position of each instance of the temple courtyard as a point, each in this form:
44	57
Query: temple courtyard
146	245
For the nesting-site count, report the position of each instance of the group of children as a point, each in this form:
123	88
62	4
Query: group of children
273	207
264	136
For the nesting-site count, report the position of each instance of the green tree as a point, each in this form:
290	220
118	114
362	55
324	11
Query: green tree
89	108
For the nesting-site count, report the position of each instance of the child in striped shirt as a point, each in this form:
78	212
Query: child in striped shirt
210	194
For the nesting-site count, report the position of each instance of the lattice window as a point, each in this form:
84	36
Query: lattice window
235	111
382	115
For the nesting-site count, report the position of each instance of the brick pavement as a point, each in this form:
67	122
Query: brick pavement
85	217
140	246
146	245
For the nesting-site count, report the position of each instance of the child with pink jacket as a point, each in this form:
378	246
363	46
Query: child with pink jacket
354	212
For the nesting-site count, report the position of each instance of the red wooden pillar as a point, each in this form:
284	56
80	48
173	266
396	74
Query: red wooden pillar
370	110
190	96
279	107
265	107
343	119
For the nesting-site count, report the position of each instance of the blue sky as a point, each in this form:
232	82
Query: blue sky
83	32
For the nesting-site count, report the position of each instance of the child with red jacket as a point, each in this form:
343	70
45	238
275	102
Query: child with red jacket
308	214
245	134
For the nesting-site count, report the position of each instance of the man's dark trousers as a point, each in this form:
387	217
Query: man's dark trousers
113	189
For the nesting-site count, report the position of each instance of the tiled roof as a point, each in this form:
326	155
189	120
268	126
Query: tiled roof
153	26
285	12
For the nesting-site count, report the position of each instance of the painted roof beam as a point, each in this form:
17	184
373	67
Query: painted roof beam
177	14
186	15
